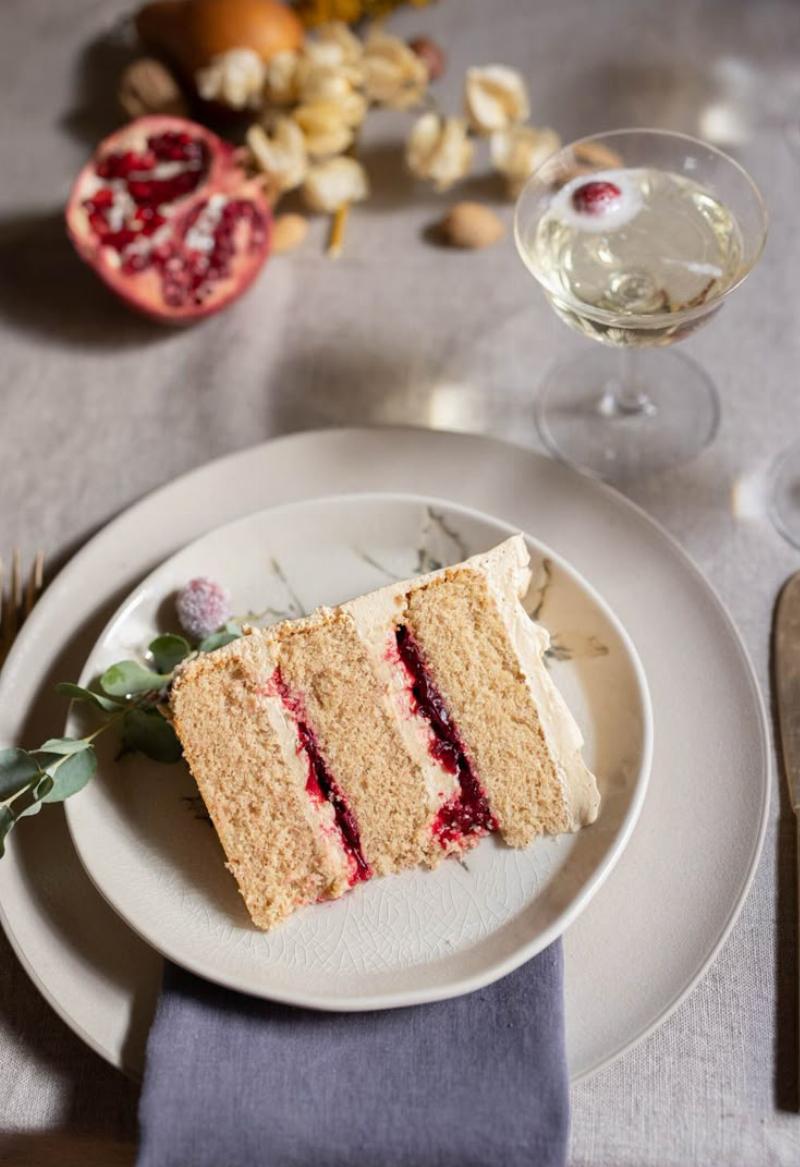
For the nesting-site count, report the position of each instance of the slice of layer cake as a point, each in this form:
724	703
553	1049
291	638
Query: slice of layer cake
387	733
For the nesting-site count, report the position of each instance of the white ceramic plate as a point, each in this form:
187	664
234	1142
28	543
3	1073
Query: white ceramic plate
417	937
656	924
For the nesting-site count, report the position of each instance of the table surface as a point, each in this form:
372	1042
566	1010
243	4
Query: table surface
99	407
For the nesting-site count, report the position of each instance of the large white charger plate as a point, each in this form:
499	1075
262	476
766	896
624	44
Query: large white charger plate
420	936
656	924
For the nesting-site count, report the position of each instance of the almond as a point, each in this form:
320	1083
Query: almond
288	232
471	225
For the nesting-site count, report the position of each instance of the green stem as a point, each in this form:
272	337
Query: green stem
37	778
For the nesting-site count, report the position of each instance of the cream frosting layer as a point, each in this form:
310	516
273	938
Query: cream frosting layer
319	813
507	570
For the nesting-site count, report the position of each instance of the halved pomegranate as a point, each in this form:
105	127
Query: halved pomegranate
167	217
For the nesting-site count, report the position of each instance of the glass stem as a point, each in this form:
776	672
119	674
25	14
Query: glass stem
623	395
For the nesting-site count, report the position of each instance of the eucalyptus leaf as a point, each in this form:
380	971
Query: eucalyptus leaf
32	807
18	768
36	797
147	732
78	693
7	820
64	745
128	677
43	788
69	775
218	640
168	651
47	761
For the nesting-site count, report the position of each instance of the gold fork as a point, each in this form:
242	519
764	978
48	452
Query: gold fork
17	598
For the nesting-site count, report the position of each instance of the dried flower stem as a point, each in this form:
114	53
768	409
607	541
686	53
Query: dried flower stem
338	226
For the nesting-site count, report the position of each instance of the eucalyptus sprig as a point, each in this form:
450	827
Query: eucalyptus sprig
132	698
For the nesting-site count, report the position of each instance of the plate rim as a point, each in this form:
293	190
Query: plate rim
457	986
492	445
768	770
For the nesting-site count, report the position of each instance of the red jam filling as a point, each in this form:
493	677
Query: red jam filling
468	812
320	784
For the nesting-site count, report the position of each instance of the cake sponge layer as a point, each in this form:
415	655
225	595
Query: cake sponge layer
276	846
467	651
323	660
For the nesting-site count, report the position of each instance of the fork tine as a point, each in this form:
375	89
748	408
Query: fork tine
17	597
35	581
12	601
16	581
7	621
15	602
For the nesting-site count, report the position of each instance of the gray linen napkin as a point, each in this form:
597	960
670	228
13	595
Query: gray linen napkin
479	1081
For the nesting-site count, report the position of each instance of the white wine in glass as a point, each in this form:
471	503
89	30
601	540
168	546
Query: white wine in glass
636	237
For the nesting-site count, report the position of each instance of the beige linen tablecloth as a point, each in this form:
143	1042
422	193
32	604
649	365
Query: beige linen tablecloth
98	407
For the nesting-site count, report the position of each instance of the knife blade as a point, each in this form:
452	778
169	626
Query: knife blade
787	692
787	683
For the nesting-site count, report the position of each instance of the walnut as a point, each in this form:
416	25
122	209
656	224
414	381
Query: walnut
147	86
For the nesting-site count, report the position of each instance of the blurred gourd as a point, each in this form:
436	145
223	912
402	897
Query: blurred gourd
313	12
190	33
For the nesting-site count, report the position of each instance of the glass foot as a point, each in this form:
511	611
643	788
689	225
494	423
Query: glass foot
784	500
589	420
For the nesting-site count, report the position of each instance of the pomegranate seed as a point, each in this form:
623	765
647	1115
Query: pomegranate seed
138	261
97	219
595	198
121	165
119	240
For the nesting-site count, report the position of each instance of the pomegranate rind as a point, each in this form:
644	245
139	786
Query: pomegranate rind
143	291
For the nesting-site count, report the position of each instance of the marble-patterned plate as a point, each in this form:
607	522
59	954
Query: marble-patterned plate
140	830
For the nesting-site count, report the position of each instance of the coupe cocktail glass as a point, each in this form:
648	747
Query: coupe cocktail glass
636	237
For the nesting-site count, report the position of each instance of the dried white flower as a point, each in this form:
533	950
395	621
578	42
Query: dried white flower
439	149
323	84
235	79
282	155
310	73
332	184
280	83
393	73
337	33
324	128
323	55
519	150
353	108
495	97
333	85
